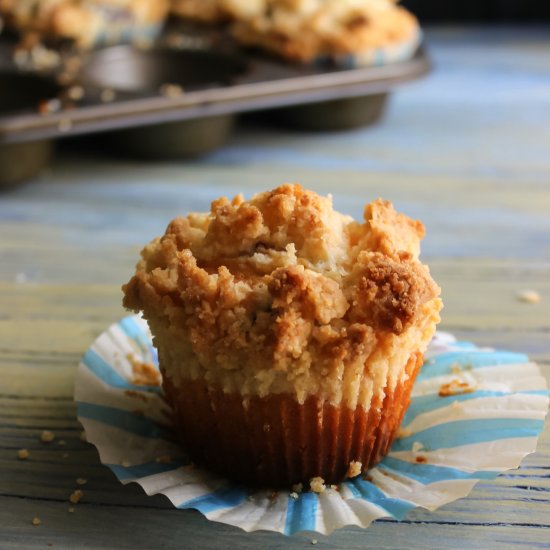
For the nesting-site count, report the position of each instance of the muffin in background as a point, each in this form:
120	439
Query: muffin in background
353	33
205	11
289	335
88	23
349	33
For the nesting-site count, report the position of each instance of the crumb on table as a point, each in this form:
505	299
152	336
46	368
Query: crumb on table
528	296
75	496
47	436
22	454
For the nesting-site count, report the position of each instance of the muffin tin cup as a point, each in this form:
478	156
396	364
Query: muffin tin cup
21	161
181	98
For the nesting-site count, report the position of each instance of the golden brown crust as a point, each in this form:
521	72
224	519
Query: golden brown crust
283	284
207	11
303	30
85	20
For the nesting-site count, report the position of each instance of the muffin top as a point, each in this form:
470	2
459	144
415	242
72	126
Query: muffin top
305	29
284	283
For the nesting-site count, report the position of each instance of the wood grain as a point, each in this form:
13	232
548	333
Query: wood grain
466	151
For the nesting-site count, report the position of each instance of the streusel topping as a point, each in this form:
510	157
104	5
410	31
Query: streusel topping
282	293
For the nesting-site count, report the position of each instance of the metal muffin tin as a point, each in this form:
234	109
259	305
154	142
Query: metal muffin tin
180	100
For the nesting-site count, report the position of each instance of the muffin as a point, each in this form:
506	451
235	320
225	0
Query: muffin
215	11
205	11
88	23
348	32
289	335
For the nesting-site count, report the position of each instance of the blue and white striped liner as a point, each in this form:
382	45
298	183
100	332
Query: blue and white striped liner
446	443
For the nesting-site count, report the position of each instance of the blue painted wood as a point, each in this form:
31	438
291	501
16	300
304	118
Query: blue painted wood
465	150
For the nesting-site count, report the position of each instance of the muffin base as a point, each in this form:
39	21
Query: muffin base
275	441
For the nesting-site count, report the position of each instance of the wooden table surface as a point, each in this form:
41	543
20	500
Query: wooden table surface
466	150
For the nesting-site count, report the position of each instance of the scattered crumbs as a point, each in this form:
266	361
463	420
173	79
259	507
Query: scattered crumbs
22	454
417	446
267	428
456	368
75	496
62	442
76	93
528	296
136	394
354	468
164	459
403	432
49	106
313	541
36	521
83	436
81	481
107	95
47	437
125	463
455	387
368	478
335	487
171	90
317	484
468	366
294	495
64	125
298	488
144	374
421	459
70	510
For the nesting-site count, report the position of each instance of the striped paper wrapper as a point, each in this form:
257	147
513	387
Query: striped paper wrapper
474	413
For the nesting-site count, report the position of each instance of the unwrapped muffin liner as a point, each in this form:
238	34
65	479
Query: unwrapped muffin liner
474	413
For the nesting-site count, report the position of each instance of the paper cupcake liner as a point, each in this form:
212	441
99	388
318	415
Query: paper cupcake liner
475	412
274	441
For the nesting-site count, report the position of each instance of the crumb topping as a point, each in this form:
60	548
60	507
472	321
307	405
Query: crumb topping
354	468
304	29
144	374
317	484
75	496
283	287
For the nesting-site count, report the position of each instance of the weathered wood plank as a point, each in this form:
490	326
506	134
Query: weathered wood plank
465	150
96	527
